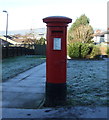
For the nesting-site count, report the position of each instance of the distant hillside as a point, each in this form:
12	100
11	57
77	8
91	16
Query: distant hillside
37	30
22	32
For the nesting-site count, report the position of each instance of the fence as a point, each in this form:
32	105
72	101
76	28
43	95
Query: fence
19	51
40	49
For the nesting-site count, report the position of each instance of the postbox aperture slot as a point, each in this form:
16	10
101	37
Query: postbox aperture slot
56	43
57	31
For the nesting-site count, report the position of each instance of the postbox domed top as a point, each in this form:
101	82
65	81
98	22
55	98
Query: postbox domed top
54	19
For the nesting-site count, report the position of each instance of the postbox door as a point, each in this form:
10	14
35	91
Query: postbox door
56	54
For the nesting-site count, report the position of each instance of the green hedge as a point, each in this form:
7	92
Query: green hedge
95	52
74	50
83	50
107	51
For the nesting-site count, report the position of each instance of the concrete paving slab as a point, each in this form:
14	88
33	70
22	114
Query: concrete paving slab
23	100
33	72
13	80
28	84
9	96
0	105
18	100
36	79
0	89
40	89
14	89
65	112
25	90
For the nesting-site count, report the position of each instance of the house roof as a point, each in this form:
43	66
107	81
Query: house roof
19	40
101	33
106	32
9	40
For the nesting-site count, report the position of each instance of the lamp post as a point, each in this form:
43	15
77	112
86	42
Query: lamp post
6	23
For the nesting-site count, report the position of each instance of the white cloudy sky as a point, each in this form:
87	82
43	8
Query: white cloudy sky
27	14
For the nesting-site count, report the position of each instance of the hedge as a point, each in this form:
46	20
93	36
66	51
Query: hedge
83	50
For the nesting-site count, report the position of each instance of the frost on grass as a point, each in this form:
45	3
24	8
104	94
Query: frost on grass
13	66
87	82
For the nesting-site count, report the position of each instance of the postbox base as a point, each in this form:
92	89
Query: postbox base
55	94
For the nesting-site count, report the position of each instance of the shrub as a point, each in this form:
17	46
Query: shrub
78	50
95	52
107	51
84	50
74	50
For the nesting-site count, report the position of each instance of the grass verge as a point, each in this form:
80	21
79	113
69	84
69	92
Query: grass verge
13	66
87	83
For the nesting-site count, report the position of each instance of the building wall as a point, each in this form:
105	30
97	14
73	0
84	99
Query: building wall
106	37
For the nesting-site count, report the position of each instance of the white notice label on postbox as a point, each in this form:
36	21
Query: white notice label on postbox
57	44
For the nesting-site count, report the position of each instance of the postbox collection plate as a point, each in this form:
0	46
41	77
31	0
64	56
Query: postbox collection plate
56	43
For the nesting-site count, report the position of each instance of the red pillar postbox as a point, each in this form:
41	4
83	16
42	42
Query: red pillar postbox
56	60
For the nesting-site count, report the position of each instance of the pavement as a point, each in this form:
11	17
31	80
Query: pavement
25	91
23	97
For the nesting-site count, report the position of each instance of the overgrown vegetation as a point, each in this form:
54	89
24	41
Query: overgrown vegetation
74	50
95	52
41	41
107	51
83	50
